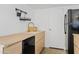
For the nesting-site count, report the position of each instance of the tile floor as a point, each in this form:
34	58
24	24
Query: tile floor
53	51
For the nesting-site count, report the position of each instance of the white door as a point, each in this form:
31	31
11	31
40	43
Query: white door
56	28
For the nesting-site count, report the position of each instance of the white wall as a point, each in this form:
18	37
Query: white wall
52	21
9	22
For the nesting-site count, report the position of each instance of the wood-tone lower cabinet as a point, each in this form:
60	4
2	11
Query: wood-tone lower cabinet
13	49
17	47
76	50
39	42
76	43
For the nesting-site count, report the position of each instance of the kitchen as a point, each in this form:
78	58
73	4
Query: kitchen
47	21
15	33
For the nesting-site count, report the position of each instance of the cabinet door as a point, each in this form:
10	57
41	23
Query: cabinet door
14	49
76	44
39	46
76	50
39	43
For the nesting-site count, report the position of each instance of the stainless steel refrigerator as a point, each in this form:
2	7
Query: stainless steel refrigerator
71	26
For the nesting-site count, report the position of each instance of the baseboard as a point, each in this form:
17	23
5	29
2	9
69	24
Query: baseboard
56	48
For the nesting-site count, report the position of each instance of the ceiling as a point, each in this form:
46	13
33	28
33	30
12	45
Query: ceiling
40	6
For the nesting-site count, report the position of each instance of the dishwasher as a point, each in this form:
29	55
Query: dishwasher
28	45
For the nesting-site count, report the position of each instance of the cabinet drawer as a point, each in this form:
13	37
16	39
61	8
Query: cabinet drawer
14	49
39	36
38	40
